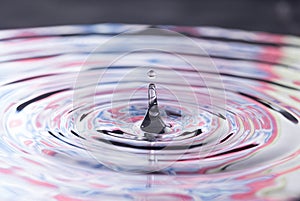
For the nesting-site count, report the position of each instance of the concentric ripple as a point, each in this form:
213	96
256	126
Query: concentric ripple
73	99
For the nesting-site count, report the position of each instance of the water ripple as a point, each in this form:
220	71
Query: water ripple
69	134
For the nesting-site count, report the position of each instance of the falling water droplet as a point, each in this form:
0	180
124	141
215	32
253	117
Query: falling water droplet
151	74
152	122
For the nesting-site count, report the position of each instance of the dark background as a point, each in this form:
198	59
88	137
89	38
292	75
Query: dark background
278	16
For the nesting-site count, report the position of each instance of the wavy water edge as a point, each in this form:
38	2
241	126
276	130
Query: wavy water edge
253	96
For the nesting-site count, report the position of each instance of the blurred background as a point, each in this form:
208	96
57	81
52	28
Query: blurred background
277	16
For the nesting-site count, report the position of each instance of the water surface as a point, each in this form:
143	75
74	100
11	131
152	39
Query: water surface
71	125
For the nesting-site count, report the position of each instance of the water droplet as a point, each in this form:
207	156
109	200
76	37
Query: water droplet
151	74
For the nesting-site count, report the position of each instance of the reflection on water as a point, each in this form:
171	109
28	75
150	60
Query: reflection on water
233	131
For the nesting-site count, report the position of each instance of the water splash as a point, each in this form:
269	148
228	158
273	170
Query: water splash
153	122
246	149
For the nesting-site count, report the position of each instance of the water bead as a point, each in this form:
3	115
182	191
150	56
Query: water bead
151	74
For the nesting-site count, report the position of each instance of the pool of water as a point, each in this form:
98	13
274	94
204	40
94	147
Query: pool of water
73	100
